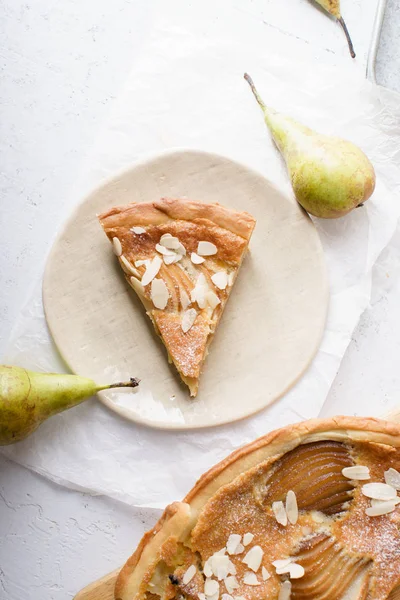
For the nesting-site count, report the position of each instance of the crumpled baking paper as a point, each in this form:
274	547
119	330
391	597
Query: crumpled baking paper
187	90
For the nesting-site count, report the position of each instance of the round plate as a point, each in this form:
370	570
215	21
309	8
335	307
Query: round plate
271	327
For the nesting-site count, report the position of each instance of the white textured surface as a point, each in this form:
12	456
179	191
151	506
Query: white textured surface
61	64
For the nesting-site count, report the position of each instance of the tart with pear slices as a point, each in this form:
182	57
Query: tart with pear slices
310	511
182	258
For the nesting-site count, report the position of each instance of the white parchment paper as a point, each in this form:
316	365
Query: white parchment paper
187	90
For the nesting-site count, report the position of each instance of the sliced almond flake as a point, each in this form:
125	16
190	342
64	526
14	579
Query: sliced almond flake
185	300
283	562
226	597
159	293
231	278
207	569
248	537
166	236
283	570
379	491
188	319
280	513
188	576
212	299
151	270
233	541
239	598
201	596
285	591
220	279
392	477
383	508
231	583
292	510
172	258
117	246
296	571
206	249
141	262
357	472
164	251
181	249
169	241
250	579
196	259
128	268
395	501
220	552
138	230
253	558
199	291
137	286
211	587
265	574
222	566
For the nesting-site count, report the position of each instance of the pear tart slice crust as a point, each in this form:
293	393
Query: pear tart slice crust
181	258
308	512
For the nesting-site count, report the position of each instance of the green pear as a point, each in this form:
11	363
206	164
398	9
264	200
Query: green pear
333	8
330	176
27	398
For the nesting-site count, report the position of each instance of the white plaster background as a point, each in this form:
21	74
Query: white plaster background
61	65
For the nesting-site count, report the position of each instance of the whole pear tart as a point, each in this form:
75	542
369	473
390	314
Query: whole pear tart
181	258
310	511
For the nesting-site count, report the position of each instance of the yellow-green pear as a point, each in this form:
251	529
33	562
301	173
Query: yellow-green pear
330	176
27	398
333	8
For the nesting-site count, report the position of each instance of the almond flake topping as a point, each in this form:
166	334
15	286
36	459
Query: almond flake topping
196	259
395	501
231	278
140	263
281	563
265	574
117	246
253	558
137	286
226	597
138	230
212	299
381	508
172	243
199	291
292	510
250	579
358	472
164	250
379	491
285	591
233	545
222	566
128	267
296	571
220	279
188	319
231	583
206	249
201	596
159	293
280	513
247	539
392	477
185	300
207	569
188	576
151	270
211	587
172	258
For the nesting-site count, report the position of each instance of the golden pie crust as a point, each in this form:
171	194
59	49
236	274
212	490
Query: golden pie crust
190	222
346	554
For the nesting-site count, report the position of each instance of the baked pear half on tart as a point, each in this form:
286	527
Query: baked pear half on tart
181	258
310	511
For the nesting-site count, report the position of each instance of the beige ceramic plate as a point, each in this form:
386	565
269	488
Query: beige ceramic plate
271	327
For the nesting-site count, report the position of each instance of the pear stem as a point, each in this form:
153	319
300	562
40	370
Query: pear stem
132	383
254	90
348	38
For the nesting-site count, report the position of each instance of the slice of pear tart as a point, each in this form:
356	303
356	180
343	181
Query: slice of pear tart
181	258
309	512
